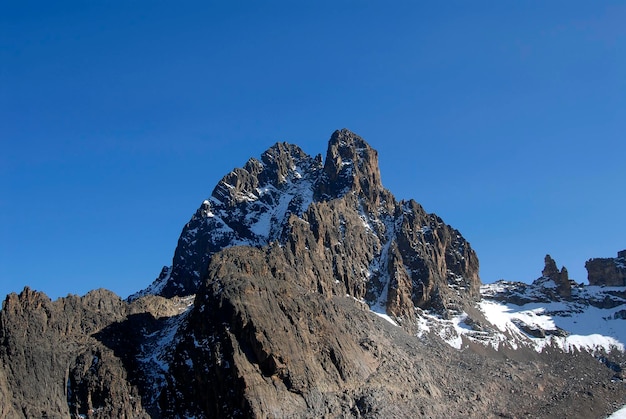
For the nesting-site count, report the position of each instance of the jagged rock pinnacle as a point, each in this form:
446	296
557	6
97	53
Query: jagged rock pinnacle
559	278
550	270
351	165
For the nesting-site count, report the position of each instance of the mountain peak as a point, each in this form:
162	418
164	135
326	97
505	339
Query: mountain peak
550	268
337	216
282	161
351	166
280	164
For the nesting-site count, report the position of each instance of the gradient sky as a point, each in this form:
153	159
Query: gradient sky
117	119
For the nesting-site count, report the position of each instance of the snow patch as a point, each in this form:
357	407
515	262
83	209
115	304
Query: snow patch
585	327
450	331
379	266
385	316
620	414
156	287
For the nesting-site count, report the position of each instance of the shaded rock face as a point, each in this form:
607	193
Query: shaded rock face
47	350
607	271
76	355
338	222
351	166
257	343
249	206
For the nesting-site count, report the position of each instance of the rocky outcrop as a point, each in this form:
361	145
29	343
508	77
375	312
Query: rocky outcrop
44	344
555	285
553	279
351	166
257	343
607	271
249	206
76	355
552	285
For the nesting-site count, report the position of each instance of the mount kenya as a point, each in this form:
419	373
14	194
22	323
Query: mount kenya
301	287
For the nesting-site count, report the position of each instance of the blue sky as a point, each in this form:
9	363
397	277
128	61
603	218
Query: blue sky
507	119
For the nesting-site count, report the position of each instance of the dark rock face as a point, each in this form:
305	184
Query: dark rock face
338	221
607	271
76	355
46	345
351	165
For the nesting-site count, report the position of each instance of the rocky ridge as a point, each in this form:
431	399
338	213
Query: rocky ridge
556	309
555	286
302	288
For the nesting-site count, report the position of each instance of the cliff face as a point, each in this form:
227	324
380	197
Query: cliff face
78	355
46	348
607	271
260	342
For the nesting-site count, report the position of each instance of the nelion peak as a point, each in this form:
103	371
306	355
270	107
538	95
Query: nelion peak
352	235
302	288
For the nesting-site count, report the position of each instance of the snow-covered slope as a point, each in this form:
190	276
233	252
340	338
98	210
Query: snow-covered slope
592	317
518	315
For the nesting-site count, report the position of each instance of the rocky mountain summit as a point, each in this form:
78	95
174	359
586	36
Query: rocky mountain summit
352	235
302	288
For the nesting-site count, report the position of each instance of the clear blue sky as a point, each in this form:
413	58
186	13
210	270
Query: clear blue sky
507	119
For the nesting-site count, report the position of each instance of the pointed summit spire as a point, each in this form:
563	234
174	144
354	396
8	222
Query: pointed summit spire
550	270
351	165
560	278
